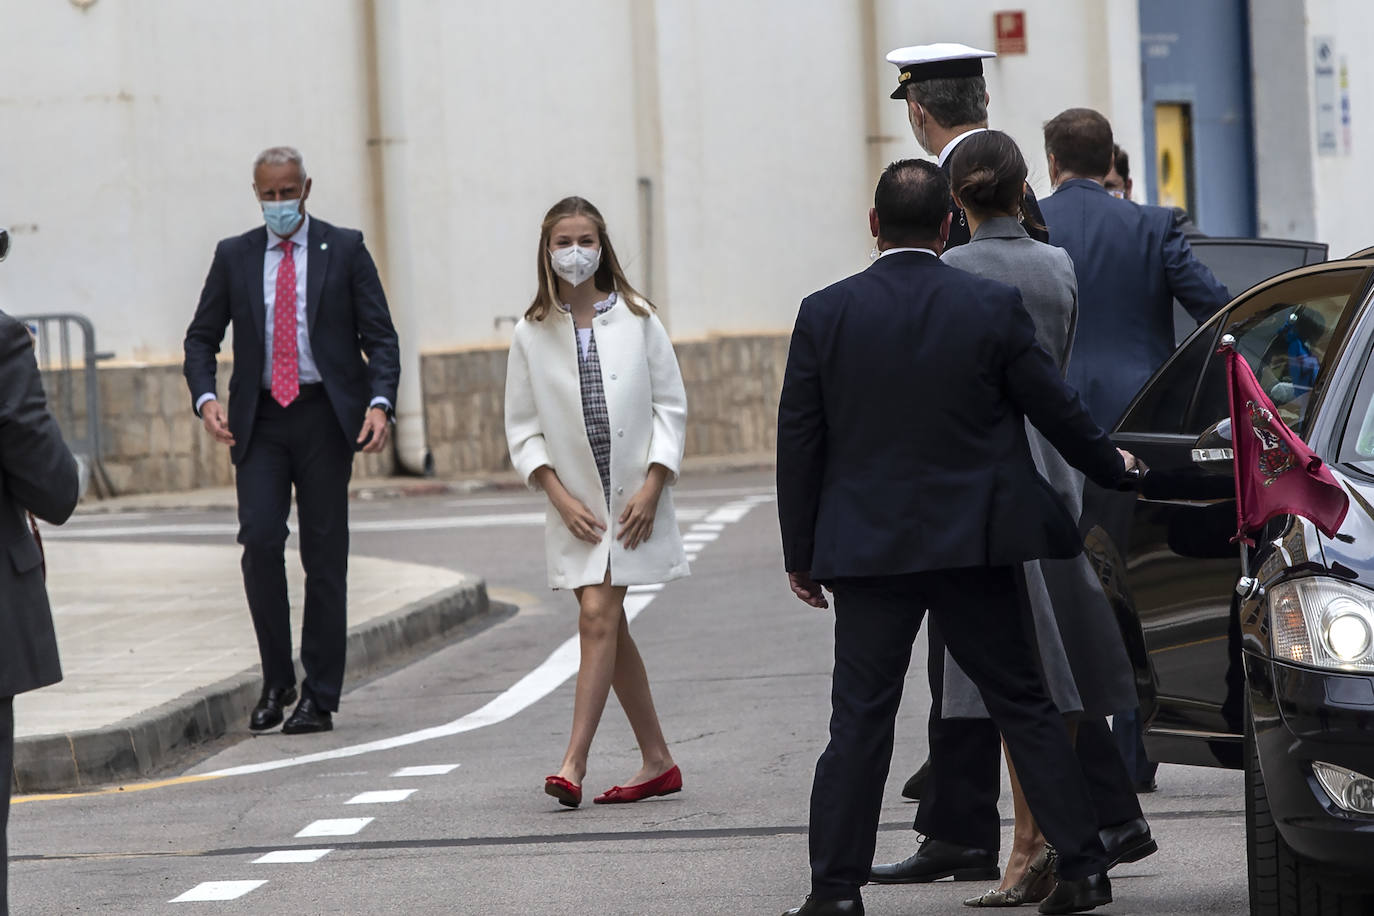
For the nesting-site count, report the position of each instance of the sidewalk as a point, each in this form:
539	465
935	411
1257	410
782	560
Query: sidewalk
158	650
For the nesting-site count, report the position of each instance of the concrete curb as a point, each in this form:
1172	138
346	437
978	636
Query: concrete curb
141	744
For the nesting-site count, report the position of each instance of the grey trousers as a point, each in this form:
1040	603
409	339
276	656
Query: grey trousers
6	777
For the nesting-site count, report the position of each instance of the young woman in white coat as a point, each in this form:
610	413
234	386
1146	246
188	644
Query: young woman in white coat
596	418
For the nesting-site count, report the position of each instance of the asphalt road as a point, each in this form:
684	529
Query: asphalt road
740	671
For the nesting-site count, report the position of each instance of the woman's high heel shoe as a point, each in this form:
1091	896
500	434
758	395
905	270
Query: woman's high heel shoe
1035	885
563	790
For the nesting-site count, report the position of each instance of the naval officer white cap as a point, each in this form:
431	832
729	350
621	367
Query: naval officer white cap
938	61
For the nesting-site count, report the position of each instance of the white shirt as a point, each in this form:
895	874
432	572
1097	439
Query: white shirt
305	359
949	147
887	251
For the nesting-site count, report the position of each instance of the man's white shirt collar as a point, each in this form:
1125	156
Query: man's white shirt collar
887	251
949	147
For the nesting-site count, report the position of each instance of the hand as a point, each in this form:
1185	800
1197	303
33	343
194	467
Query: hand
637	521
807	589
216	422
1132	462
376	430
581	521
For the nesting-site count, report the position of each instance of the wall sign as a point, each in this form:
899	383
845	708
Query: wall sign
1011	32
1327	106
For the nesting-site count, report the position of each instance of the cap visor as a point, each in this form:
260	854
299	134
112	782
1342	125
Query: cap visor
899	92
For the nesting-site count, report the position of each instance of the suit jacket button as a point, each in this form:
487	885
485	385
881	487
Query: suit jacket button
619	490
605	321
620	433
613	376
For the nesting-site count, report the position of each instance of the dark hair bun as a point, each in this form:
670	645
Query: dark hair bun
988	173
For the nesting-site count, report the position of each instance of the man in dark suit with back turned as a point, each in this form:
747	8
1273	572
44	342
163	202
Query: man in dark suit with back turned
306	304
37	474
901	504
1131	261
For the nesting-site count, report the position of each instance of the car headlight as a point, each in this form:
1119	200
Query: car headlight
1323	622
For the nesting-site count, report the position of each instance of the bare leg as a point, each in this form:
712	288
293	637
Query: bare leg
1026	839
632	690
602	607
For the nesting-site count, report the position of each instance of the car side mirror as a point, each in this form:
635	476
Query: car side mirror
1213	451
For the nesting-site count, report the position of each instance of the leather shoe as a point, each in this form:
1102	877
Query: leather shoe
1078	895
267	714
937	859
917	783
308	717
816	907
1128	842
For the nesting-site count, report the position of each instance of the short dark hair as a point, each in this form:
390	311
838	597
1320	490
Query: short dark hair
952	101
1080	140
912	200
1122	163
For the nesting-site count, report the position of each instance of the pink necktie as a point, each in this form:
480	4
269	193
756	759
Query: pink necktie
286	370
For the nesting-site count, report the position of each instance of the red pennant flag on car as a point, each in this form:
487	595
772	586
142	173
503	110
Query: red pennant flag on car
1276	473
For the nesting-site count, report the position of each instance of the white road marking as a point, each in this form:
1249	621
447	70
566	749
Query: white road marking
708	526
381	797
436	769
530	689
338	826
292	856
701	537
217	890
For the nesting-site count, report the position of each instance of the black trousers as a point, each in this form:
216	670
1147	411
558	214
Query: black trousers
298	445
7	771
982	622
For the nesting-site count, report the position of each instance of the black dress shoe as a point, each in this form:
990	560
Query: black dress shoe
937	859
267	714
1078	895
1128	842
917	783
308	717
816	907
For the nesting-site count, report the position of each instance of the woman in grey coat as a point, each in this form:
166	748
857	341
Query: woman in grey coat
1080	645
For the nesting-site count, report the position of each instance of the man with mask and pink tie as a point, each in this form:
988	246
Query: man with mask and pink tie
306	305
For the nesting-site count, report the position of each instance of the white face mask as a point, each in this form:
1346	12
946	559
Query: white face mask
575	264
1119	195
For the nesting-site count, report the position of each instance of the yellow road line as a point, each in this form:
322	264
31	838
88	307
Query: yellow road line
116	790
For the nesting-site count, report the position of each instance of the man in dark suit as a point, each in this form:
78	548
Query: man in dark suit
306	304
1131	261
901	504
37	474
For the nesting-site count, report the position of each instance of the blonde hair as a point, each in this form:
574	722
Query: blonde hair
609	277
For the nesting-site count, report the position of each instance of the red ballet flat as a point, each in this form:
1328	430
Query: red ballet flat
563	790
666	784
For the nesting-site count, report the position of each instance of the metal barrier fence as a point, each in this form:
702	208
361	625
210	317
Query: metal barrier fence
73	388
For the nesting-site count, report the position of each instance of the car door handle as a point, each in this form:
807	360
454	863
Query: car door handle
1213	454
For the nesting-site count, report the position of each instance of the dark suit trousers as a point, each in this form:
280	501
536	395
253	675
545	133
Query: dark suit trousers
876	621
300	444
7	771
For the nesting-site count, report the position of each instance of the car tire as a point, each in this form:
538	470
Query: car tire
1281	882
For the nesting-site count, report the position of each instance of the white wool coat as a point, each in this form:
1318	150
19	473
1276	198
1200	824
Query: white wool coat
647	405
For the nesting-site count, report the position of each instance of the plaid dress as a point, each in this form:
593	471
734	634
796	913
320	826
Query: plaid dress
594	414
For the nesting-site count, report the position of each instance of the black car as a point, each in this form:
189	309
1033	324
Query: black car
1262	660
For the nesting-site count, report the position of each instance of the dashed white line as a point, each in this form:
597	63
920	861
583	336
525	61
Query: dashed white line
701	537
381	797
339	826
217	890
292	856
434	769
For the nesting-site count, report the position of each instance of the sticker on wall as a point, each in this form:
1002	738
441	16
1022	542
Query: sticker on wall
1324	71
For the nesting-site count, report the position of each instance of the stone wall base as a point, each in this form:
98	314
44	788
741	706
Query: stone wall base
154	442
